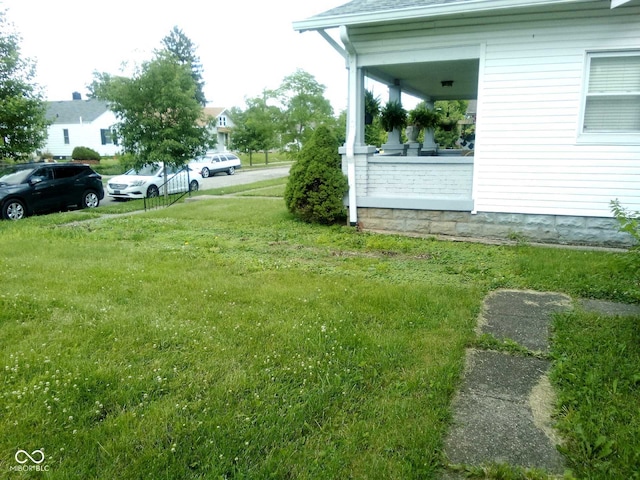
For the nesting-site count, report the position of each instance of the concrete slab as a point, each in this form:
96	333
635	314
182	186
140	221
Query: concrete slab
522	316
493	416
502	413
609	308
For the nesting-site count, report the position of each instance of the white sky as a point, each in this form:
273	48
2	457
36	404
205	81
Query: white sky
245	46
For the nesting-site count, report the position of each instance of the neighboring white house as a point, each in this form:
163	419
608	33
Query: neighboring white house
557	84
88	123
223	126
80	123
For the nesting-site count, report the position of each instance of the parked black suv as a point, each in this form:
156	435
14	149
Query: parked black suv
44	187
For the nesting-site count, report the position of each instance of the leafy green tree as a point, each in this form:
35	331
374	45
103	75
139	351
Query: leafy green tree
183	48
256	128
160	119
304	106
316	186
23	124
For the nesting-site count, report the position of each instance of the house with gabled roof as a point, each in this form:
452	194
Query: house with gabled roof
557	91
222	126
80	123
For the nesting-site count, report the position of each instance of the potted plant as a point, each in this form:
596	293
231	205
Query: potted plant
447	124
393	116
420	118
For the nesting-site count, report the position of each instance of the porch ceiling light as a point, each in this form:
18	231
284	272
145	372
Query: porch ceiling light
447	83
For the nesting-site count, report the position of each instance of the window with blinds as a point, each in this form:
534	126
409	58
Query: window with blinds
612	103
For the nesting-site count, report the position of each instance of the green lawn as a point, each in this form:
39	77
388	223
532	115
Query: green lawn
224	339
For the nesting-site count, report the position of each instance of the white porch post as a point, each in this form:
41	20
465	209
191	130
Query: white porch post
429	146
355	122
393	145
395	95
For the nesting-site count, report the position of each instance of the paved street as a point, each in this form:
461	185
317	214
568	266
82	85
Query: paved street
223	180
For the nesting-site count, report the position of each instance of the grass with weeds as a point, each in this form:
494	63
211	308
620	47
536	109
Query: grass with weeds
249	187
489	342
224	339
597	372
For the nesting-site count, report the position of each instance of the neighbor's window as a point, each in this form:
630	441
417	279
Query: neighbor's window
222	121
65	134
612	100
107	137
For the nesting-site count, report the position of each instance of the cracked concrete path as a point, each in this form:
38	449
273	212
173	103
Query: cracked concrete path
502	413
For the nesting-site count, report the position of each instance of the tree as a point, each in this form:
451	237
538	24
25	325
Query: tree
23	124
316	186
256	128
160	119
304	105
185	51
451	111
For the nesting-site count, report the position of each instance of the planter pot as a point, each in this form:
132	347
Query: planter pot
412	133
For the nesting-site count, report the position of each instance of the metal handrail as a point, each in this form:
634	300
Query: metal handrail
166	199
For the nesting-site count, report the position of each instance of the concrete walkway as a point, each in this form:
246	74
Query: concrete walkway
502	413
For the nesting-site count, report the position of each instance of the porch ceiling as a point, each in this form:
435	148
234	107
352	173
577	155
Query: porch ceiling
424	80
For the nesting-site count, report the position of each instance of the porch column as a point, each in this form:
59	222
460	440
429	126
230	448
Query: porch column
395	95
355	152
355	122
393	145
429	146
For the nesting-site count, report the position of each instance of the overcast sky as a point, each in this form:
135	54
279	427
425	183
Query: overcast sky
245	45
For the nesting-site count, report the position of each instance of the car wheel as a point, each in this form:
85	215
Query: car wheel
205	172
152	191
90	199
231	171
13	210
194	186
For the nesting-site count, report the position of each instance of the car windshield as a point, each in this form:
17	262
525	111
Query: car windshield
146	171
16	177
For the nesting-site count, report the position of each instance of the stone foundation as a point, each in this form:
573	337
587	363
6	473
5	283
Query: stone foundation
559	229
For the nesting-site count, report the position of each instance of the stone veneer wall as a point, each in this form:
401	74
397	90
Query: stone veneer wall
558	229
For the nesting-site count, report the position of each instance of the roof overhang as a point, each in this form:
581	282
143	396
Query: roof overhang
423	75
320	22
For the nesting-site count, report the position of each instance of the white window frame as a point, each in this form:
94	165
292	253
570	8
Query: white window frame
604	138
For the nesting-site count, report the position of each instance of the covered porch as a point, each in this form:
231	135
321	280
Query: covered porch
407	175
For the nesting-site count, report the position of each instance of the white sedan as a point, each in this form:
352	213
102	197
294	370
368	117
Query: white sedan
148	181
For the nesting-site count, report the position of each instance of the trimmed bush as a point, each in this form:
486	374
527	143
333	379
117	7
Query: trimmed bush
316	186
84	153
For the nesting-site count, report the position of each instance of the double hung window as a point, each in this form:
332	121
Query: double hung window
612	98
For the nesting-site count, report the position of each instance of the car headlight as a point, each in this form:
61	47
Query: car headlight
137	183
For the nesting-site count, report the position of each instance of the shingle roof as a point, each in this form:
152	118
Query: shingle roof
361	12
372	6
214	111
75	111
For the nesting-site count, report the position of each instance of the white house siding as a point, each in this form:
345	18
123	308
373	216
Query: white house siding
528	158
86	134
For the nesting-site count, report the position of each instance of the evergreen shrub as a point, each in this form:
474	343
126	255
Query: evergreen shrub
84	153
316	187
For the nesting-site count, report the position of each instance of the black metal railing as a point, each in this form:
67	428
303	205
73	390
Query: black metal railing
179	183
